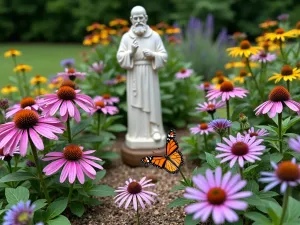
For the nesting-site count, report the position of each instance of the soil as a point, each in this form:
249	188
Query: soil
158	214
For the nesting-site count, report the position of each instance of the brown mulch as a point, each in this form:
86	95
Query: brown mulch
158	214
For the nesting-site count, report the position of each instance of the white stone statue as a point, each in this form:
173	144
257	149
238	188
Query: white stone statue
142	53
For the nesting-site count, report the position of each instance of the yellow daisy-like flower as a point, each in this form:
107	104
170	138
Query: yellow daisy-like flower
95	26
219	78
88	40
160	32
278	35
38	79
9	89
295	32
22	68
12	53
287	74
105	42
173	30
162	25
234	65
269	46
241	77
56	82
118	22
268	23
41	91
95	38
244	50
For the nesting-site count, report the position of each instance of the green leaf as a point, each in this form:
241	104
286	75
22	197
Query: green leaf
274	211
293	211
101	191
61	220
17	176
249	168
238	109
268	194
40	203
13	195
258	218
252	186
108	155
178	188
290	124
88	139
276	157
77	208
56	208
117	128
211	160
99	175
179	202
189	220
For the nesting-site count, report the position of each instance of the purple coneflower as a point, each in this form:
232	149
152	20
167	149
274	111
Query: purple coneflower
278	98
263	57
287	173
206	86
210	106
111	82
184	73
71	74
25	103
294	143
227	91
65	100
220	125
217	195
102	107
67	63
258	133
202	128
283	17
28	124
19	214
75	163
240	149
97	67
107	99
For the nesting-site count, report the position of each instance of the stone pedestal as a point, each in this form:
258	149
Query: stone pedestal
132	157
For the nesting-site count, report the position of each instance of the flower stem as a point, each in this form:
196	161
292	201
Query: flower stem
282	53
228	113
69	131
288	85
285	204
241	172
18	77
26	88
98	123
9	166
137	215
298	51
39	88
280	131
205	142
70	192
38	168
253	77
185	180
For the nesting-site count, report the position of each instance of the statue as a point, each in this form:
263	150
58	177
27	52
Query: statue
142	53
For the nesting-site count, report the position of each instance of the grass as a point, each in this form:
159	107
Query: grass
43	57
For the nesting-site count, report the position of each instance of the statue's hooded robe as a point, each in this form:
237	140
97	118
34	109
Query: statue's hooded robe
143	93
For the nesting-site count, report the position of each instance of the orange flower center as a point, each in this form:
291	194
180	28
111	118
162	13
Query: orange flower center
279	93
28	101
211	106
245	44
25	119
298	25
203	126
68	83
206	84
226	86
216	196
288	171
134	188
279	31
243	73
219	73
66	93
100	104
106	96
298	65
286	70
72	152
71	70
239	148
253	134
183	70
1	152
266	45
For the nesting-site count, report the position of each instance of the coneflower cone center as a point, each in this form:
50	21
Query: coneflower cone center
216	196
288	171
203	126
245	44
25	119
286	70
134	187
71	70
28	101
72	152
106	96
100	104
298	25
239	148
211	108
279	93
279	31
68	83
206	84
183	70
243	73
66	93
254	134
226	86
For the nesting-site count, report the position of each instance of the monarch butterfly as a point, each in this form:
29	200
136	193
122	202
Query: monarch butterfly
172	160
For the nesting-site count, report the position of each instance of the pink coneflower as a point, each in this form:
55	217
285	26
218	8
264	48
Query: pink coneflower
206	86
278	98
294	143
258	133
102	107
210	106
134	192
65	100
71	74
227	91
184	73
202	128
28	124
263	57
97	67
287	173
25	103
107	99
240	149
217	195
75	163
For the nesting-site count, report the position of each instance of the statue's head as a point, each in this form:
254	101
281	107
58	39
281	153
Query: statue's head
139	19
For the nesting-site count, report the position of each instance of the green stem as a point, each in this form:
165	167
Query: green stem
228	113
16	161
38	168
282	53
285	204
69	131
98	123
70	192
205	142
39	88
280	131
212	116
9	166
185	180
137	215
25	84
18	77
253	77
241	172
288	85
298	51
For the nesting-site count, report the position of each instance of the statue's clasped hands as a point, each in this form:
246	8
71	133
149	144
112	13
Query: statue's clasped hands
134	46
148	53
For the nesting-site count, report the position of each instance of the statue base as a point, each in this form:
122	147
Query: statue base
145	143
132	157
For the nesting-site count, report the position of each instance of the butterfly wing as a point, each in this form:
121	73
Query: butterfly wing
176	159
171	147
157	161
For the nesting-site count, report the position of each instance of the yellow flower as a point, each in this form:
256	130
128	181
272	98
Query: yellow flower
295	32
269	46
241	77
173	30
37	92
120	79
117	22
162	25
268	23
56	82
287	74
245	49
38	79
104	42
8	89
22	68
95	38
88	40
113	31
95	26
235	65
160	32
278	35
12	53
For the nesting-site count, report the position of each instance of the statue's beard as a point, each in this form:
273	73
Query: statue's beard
139	28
